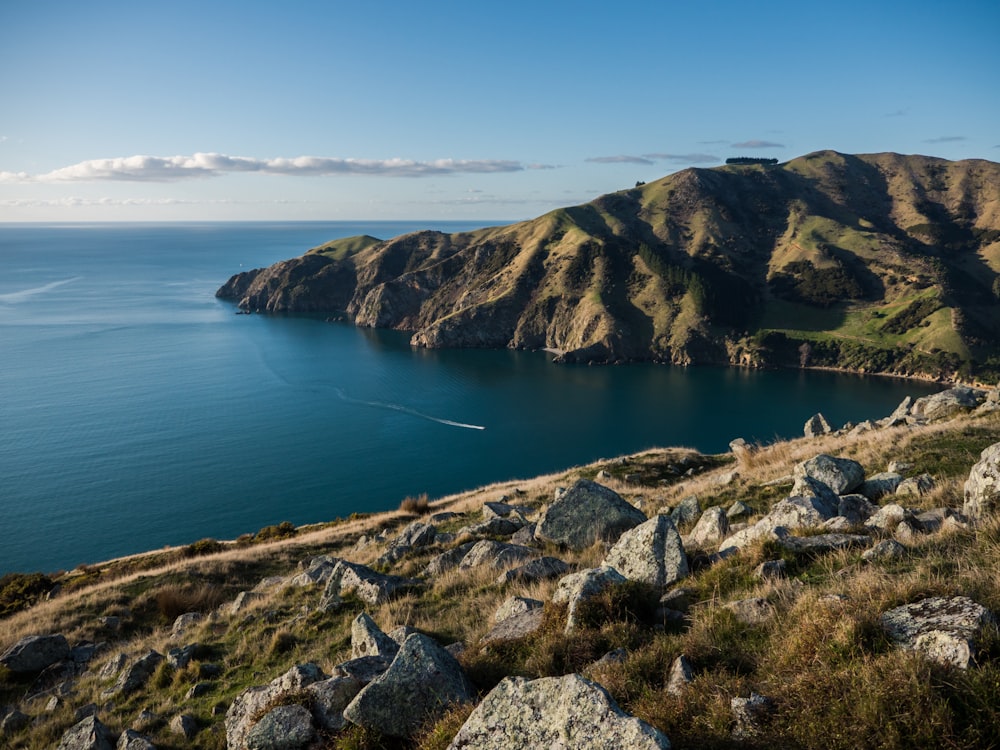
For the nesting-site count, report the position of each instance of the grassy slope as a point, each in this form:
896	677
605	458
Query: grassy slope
836	681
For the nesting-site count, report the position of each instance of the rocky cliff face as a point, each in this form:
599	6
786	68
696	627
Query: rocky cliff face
895	257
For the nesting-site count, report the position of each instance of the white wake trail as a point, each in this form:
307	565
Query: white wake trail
405	410
14	297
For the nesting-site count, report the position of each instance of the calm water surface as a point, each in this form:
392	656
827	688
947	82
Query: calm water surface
137	411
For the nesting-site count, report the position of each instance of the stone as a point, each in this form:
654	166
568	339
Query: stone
198	689
945	629
367	639
184	725
515	605
770	570
184	623
680	676
739	446
179	658
33	653
821	543
422	682
886	550
282	728
886	518
244	600
317	570
554	712
137	674
982	488
447	560
805	486
842	475
88	709
947	403
878	486
577	588
89	734
515	627
540	569
917	486
13	721
712	528
907	531
738	509
587	513
370	586
400	633
493	527
742	539
248	705
750	714
330	698
856	508
651	553
497	555
132	740
687	511
416	534
146	721
816	425
504	510
525	535
798	513
363	669
751	611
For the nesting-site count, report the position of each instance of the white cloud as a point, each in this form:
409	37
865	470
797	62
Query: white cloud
173	168
621	159
758	144
946	139
685	158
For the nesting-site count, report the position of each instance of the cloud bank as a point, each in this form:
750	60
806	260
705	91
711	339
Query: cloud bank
649	159
174	168
946	139
758	144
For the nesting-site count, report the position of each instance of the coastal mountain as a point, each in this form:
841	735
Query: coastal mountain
875	262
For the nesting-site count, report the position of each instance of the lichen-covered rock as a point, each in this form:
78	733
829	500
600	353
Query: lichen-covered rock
554	712
416	534
282	728
137	673
316	570
842	475
688	510
364	669
763	529
34	653
367	639
680	676
515	605
798	513
917	486
887	517
370	586
751	611
947	403
495	554
422	682
515	627
540	569
820	543
248	705
712	528
878	486
750	714
577	588
133	740
447	560
184	623
856	508
89	734
651	552
184	725
330	698
946	629
586	513
884	551
806	486
982	488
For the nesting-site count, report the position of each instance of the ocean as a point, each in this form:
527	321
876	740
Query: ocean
138	411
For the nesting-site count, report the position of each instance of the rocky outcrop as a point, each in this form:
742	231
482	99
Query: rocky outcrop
282	728
89	734
651	552
137	674
947	403
422	682
554	712
370	586
982	488
945	629
252	704
842	475
577	588
586	513
34	653
368	640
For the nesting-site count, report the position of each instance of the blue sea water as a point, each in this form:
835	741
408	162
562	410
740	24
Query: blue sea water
138	411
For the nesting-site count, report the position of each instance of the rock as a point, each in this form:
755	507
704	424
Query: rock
416	534
751	611
588	512
856	508
515	605
504	510
712	528
917	486
400	633
330	698
495	554
727	478
422	682
185	622
946	629
887	549
33	653
13	721
899	415
492	527
687	511
880	485
842	475
89	734
907	531
137	674
244	600
132	740
886	518
198	689
750	714
821	543
982	488
282	728
146	721
680	676
370	586
805	486
368	640
447	560
248	705
515	627
763	529
738	509
179	658
798	513
554	712
947	403
932	520
739	446
184	725
816	425
317	570
770	570
577	588
525	535
651	553
540	569
363	669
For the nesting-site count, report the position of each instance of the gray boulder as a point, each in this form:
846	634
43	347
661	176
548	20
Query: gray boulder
688	510
816	425
515	605
137	674
887	517
495	554
878	486
515	627
554	712
416	534
540	569
917	486
495	526
89	734
885	551
712	528
751	611
330	698
806	486
316	570
367	639
821	543
945	629
651	552
856	508
282	728
588	512
577	588
370	586
34	653
447	560
12	720
982	488
133	740
422	682
842	475
184	623
184	725
249	705
681	675
947	403
750	715
364	669
798	513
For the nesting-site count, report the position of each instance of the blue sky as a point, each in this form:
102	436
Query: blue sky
141	111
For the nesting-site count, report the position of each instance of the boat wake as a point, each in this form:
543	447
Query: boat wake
405	410
14	297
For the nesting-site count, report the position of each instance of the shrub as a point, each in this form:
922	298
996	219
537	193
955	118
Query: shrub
415	504
20	590
202	547
283	530
174	601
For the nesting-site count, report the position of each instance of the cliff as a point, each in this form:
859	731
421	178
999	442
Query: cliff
877	262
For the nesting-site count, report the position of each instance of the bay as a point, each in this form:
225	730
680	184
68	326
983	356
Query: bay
138	411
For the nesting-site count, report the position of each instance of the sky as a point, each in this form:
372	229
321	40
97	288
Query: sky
386	109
